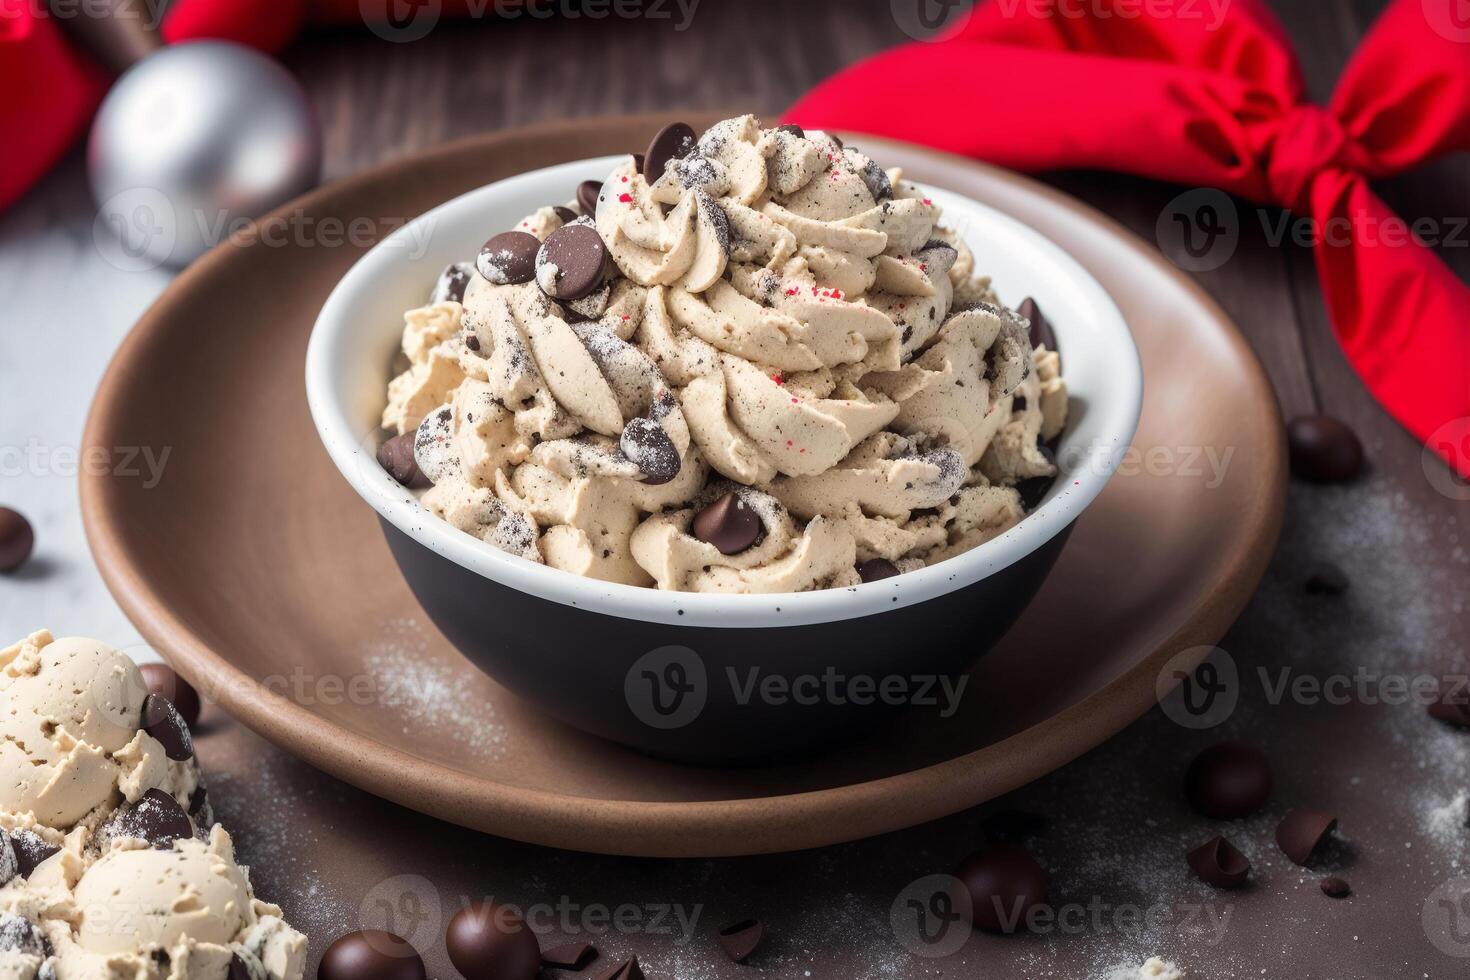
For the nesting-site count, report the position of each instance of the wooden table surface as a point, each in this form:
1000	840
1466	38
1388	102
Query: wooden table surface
1117	826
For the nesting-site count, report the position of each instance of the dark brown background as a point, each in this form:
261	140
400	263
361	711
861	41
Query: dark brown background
1118	828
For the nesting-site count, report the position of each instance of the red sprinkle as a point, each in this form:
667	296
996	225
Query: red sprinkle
778	379
625	180
625	198
927	201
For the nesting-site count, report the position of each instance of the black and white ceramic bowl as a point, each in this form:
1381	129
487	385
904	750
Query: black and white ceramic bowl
716	678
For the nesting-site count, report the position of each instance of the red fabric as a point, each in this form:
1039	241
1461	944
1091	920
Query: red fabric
1052	84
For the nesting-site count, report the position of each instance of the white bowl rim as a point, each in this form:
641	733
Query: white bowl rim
1095	463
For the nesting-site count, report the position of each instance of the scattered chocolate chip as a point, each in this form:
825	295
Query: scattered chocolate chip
1219	863
1326	579
30	850
567	215
396	456
199	807
673	142
793	129
569	263
876	569
1228	781
371	955
727	524
241	970
156	818
587	193
741	939
490	942
626	970
1013	825
649	447
509	258
875	178
1301	831
20	935
16	539
1005	883
451	284
569	956
9	862
162	721
1335	887
1041	331
165	681
1323	449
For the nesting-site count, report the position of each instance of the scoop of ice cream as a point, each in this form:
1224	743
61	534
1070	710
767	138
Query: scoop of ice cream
775	311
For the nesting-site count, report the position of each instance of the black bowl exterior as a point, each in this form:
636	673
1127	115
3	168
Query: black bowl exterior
721	695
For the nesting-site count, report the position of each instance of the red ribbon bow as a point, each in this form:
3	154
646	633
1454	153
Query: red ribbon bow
1212	96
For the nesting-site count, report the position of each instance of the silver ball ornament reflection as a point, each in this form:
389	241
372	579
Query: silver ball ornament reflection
191	142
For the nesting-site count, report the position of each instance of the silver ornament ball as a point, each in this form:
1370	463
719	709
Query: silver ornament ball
190	143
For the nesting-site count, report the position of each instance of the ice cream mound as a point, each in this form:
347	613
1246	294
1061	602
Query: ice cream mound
110	862
750	361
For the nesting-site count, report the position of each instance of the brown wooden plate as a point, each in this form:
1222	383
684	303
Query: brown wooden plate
254	569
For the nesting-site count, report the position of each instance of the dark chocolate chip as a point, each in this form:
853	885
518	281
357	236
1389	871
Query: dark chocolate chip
509	258
793	129
162	721
1228	781
876	569
1032	490
876	180
1005	883
241	970
490	942
674	141
20	935
1041	331
1301	832
1323	449
199	807
156	818
452	283
587	192
16	539
727	524
578	254
741	939
638	159
567	215
164	680
1219	863
396	456
570	956
1326	579
371	955
1335	887
30	851
9	861
649	447
1014	825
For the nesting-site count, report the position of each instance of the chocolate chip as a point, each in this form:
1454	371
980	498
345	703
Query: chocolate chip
241	970
509	258
741	939
451	284
1301	831
1032	490
876	569
156	818
570	262
674	141
396	456
1323	449
793	129
1228	781
30	850
20	935
727	524
638	162
876	180
587	193
164	680
162	721
9	862
570	956
1005	883
567	215
490	942
626	970
1041	331
1219	863
199	807
1326	579
371	955
1335	887
646	443
16	539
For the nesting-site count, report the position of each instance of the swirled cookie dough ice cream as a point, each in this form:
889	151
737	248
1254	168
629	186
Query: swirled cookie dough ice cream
754	361
110	863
